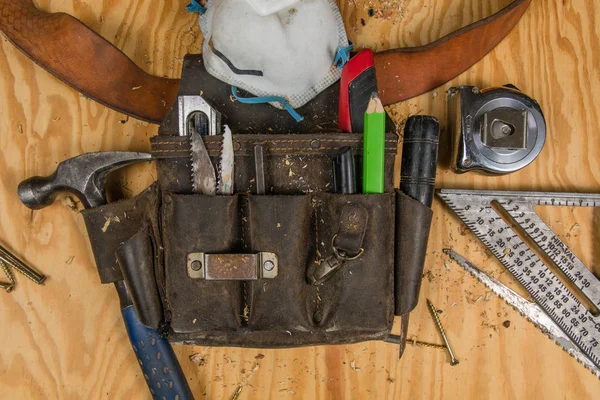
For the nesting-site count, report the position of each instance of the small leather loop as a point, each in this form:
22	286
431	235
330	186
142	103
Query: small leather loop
341	254
346	244
352	227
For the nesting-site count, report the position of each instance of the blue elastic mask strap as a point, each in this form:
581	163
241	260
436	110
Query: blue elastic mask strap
343	55
195	7
267	99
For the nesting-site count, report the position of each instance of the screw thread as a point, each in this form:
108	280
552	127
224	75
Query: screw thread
425	344
438	323
35	277
10	260
436	318
7	272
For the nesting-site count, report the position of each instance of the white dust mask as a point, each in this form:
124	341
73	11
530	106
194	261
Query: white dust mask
287	55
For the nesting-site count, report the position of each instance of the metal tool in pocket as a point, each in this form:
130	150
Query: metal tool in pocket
197	119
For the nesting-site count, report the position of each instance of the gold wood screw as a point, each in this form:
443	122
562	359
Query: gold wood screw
436	317
415	342
9	259
237	393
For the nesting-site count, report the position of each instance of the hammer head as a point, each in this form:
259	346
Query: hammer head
84	176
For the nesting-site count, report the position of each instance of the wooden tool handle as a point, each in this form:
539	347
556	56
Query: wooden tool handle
82	59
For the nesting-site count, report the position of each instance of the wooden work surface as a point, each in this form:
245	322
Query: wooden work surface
67	340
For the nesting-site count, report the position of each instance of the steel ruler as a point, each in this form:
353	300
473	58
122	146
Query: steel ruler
477	209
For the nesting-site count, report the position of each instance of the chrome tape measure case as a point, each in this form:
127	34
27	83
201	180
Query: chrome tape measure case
496	130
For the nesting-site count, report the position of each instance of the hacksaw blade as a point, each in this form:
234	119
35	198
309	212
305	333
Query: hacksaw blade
225	181
531	311
203	172
477	211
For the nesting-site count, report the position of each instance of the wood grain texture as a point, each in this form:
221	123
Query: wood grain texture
75	54
66	340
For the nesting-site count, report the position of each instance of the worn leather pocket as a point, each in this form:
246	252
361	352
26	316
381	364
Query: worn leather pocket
209	224
355	303
282	225
357	300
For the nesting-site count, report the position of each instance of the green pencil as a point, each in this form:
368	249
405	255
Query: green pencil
374	146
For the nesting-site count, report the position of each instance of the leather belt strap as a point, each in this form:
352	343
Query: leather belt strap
78	56
81	58
405	73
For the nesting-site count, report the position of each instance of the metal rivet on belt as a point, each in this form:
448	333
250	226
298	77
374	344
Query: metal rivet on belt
353	217
315	144
268	265
196	265
318	317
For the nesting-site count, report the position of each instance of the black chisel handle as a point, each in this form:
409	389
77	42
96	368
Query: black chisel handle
413	208
419	158
344	172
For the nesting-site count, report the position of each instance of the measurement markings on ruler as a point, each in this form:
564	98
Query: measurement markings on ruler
476	210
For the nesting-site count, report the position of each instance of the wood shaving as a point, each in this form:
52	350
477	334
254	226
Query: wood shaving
108	221
106	225
71	203
198	359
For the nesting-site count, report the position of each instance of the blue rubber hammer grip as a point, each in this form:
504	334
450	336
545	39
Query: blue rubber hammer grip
156	357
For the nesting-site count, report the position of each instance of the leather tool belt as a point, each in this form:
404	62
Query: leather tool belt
296	266
103	73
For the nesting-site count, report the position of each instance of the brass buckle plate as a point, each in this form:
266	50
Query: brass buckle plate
232	267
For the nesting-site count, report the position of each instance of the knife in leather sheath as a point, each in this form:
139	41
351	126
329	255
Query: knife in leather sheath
81	58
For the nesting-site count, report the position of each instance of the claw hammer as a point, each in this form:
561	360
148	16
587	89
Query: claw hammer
85	177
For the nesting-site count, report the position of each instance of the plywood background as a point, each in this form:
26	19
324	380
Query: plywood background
66	340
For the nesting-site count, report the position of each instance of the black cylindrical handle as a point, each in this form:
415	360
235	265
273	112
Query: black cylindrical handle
419	158
344	172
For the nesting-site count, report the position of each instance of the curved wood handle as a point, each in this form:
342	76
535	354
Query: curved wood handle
408	72
82	59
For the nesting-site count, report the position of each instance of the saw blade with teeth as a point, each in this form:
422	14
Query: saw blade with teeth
530	310
225	180
203	172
